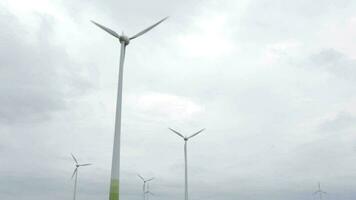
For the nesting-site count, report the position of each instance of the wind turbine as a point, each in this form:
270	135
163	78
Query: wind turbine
75	173
320	192
115	168
185	157
144	184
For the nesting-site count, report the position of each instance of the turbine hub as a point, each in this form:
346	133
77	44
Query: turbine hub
124	39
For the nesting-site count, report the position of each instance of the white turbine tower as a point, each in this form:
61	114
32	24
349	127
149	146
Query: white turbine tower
148	192
185	157
144	185
75	173
320	192
115	168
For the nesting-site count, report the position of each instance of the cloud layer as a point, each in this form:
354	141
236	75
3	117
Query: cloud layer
271	81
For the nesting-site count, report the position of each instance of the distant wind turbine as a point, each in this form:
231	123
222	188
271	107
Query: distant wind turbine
75	173
320	192
144	185
185	157
115	168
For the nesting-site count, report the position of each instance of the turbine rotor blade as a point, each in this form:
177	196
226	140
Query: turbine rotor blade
85	164
75	160
111	32
147	29
196	133
176	132
150	179
140	177
74	172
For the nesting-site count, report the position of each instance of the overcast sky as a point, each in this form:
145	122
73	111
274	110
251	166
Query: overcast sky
272	81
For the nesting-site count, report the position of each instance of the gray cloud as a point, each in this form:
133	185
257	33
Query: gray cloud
35	72
335	63
269	131
343	121
271	21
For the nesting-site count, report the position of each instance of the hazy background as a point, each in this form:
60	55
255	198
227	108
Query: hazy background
272	81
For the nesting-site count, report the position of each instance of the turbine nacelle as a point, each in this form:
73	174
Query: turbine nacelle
124	39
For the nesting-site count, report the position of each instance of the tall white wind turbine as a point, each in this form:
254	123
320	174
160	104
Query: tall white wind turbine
115	168
144	185
320	192
185	138
75	173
